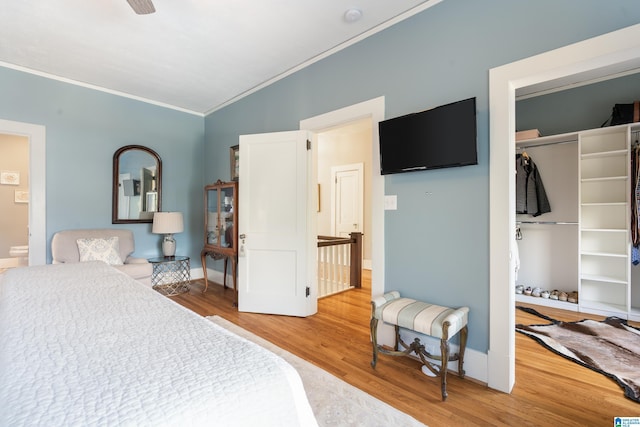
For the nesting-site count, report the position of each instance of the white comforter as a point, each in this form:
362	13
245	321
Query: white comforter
83	344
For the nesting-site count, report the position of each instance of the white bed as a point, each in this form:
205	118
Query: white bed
84	344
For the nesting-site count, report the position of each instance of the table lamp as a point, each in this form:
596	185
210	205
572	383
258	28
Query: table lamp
168	223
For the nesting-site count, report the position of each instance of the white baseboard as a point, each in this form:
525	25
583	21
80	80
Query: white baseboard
214	276
196	273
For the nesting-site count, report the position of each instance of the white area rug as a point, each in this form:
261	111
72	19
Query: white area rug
334	402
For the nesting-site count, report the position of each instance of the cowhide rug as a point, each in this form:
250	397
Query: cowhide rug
611	347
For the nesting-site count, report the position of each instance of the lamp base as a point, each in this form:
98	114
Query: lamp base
169	245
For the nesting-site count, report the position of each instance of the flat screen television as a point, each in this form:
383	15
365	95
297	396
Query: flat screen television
441	137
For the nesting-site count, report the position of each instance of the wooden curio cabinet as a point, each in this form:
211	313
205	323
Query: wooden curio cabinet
220	227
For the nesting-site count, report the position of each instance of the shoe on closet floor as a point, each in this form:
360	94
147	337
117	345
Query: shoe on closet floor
554	294
536	292
545	294
573	297
527	290
562	296
519	289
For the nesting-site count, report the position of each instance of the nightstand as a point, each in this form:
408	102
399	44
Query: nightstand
171	274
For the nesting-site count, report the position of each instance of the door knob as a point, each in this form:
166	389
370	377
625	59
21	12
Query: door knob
242	236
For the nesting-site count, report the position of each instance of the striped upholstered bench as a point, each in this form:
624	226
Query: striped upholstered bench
429	319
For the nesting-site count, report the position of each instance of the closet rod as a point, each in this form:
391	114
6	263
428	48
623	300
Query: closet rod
547	222
542	144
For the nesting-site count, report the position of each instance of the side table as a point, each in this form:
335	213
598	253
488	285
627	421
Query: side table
171	274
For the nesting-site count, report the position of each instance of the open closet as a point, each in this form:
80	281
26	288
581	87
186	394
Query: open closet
584	243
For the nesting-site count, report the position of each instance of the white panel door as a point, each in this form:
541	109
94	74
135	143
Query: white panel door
277	236
347	199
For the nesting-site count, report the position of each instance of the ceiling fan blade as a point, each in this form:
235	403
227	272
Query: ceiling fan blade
142	7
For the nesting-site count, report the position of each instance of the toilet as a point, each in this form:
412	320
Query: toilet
20	252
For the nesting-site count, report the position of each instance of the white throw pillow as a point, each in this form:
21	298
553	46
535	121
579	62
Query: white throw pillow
97	249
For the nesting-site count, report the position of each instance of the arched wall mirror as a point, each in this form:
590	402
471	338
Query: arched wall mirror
137	185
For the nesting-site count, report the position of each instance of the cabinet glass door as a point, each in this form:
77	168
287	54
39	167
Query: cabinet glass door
213	223
226	222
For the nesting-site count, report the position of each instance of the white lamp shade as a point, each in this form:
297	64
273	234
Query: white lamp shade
167	223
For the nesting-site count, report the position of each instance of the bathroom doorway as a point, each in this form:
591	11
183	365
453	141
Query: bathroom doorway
14	201
36	203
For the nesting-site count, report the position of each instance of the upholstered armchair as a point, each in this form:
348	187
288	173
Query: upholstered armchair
111	245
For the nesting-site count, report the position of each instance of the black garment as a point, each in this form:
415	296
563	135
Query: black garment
635	202
530	195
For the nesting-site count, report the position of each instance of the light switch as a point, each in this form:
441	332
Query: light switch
391	203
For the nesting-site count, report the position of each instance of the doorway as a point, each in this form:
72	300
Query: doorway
14	198
343	165
583	61
369	114
35	196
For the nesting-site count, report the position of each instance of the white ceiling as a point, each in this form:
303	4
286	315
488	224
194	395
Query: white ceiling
588	77
192	55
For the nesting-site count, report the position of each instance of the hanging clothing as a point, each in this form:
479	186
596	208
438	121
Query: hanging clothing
530	195
635	196
635	204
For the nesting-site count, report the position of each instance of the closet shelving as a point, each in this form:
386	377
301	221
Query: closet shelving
605	262
606	284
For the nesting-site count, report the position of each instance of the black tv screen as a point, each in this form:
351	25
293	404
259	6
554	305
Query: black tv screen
441	137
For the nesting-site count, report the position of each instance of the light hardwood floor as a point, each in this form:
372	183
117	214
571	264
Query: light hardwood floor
549	390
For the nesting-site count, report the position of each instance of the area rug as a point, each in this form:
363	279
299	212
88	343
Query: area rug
610	347
334	402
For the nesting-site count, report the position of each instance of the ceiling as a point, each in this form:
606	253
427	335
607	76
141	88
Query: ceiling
191	55
590	76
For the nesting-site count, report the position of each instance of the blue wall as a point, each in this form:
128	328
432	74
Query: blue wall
584	107
84	128
437	242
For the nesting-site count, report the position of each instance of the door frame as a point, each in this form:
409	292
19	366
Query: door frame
36	135
373	109
587	60
359	168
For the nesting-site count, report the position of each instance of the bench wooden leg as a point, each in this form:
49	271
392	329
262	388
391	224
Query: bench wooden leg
396	346
463	345
444	350
374	341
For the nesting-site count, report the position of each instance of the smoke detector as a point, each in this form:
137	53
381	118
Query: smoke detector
352	15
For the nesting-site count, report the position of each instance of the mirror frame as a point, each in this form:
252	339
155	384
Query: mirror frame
116	175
